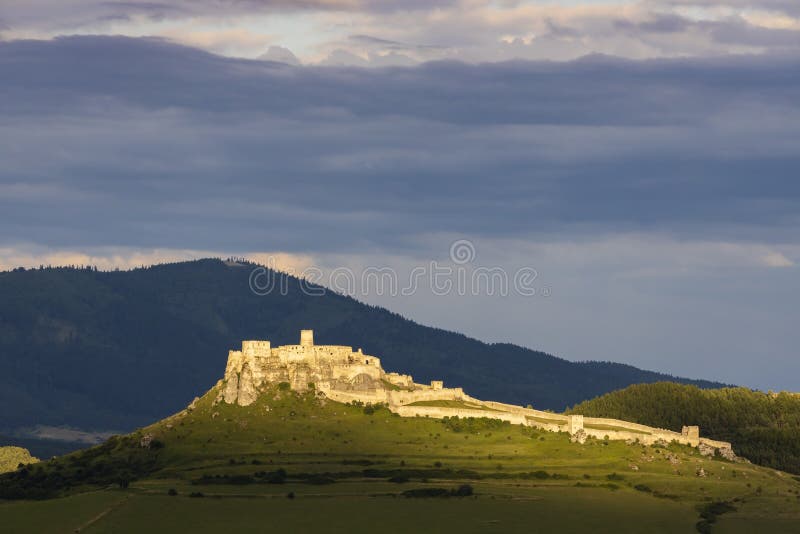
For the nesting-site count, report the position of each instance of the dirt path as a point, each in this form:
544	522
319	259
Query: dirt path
101	515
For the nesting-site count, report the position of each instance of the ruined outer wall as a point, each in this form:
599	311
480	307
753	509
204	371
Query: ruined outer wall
398	398
716	444
437	412
530	412
367	397
592	421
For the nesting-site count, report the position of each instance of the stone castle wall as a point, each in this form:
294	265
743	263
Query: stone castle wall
345	375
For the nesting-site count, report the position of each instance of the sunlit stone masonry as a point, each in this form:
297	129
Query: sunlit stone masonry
344	375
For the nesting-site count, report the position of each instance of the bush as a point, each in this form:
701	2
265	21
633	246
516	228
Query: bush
172	492
464	490
320	480
284	386
426	493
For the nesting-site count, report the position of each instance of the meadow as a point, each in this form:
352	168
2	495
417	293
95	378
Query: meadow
301	462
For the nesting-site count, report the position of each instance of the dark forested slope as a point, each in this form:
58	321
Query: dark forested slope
763	427
114	350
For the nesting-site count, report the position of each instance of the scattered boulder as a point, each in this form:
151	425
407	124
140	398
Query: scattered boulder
578	437
146	441
701	472
706	450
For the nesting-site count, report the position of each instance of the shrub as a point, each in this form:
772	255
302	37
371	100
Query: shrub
320	480
426	493
464	490
172	492
284	386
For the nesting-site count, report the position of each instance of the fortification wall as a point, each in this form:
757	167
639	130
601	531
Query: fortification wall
529	412
592	421
398	398
367	397
399	380
541	425
349	372
438	412
716	444
259	349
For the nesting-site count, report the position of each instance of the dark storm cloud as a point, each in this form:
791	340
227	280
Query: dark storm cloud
790	7
78	13
140	142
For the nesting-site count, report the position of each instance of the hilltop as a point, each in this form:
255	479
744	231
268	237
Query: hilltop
115	350
11	457
761	426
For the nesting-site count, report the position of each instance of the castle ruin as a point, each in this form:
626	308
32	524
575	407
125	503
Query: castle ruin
345	375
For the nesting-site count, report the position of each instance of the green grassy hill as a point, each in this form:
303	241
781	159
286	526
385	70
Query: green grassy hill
116	350
762	427
301	462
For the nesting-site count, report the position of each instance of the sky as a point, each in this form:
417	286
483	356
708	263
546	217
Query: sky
633	165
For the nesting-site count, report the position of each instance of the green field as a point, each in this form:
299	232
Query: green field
347	468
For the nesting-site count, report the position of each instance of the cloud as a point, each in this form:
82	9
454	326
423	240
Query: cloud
143	143
281	55
655	198
392	31
776	259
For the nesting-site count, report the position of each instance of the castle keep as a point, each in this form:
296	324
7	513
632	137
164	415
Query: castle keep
344	375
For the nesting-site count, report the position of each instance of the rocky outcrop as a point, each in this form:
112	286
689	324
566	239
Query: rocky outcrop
11	457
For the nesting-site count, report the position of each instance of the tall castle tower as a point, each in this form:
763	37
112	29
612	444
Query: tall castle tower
307	338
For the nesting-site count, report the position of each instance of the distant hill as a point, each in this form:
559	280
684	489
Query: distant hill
762	427
116	350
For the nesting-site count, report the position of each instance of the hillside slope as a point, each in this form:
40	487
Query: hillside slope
114	350
761	427
360	459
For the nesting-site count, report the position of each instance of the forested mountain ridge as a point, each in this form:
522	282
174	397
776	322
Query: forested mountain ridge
762	427
116	350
